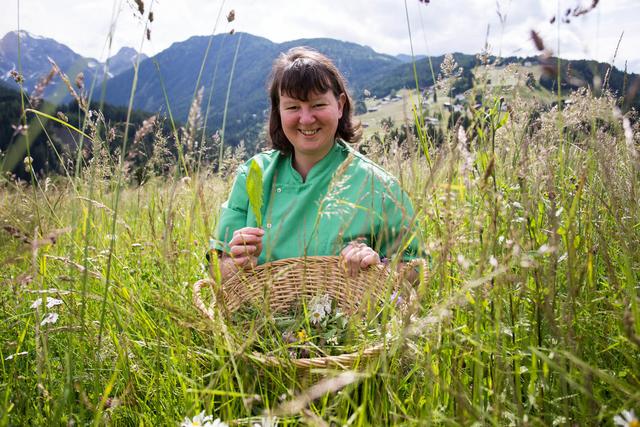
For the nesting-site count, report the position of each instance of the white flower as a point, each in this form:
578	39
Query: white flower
545	249
202	420
316	316
333	340
319	307
462	261
51	302
626	419
493	261
50	318
267	421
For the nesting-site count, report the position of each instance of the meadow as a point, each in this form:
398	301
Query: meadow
528	315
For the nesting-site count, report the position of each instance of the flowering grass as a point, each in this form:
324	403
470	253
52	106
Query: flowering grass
529	314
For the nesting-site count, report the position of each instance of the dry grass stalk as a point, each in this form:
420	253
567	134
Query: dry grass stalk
145	129
140	5
38	90
75	265
328	385
81	102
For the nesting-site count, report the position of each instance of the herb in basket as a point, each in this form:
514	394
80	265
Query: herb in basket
316	329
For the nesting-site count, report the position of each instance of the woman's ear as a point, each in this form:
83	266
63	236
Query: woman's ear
341	100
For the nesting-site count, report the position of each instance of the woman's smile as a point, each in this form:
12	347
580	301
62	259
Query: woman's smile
311	125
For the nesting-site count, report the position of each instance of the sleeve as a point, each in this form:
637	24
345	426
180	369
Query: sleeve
401	231
233	212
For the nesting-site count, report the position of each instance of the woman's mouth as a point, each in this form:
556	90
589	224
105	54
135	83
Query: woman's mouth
308	132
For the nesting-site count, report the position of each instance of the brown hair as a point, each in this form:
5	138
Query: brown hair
298	73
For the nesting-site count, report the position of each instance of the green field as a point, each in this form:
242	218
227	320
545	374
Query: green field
527	312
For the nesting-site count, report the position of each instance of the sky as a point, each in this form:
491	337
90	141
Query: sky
436	27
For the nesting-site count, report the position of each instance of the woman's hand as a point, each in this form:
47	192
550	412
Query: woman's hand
358	256
246	246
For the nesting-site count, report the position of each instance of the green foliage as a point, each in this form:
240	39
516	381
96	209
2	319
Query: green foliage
254	190
529	313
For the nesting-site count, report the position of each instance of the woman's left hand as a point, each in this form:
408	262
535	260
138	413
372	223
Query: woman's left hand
358	256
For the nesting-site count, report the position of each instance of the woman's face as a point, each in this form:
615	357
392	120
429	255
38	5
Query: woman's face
311	125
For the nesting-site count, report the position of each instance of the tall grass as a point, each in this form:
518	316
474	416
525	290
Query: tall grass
529	314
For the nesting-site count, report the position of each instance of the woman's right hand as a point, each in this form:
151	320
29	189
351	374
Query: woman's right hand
246	246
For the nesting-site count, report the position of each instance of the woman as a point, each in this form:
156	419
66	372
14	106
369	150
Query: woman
320	197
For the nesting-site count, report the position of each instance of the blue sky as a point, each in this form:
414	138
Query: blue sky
437	27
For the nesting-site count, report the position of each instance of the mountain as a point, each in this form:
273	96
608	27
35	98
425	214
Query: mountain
34	52
408	58
124	60
178	68
169	81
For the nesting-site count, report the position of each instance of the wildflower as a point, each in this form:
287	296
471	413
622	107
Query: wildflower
302	335
50	318
545	249
626	419
201	420
493	261
267	421
51	302
396	299
288	337
320	306
462	261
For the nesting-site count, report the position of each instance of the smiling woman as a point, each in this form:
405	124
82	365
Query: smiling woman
320	196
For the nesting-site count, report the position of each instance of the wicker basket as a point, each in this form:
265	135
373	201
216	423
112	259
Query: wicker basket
286	282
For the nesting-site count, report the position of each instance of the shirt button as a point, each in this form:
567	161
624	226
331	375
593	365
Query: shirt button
269	225
279	190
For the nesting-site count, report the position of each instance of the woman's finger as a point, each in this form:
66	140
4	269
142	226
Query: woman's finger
242	250
370	258
253	231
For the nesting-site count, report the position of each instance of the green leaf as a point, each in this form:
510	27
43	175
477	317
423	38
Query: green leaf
503	120
254	190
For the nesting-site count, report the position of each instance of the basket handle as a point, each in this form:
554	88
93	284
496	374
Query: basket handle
197	298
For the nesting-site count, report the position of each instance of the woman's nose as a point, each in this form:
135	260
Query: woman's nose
306	116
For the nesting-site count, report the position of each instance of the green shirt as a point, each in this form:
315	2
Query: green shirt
345	197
